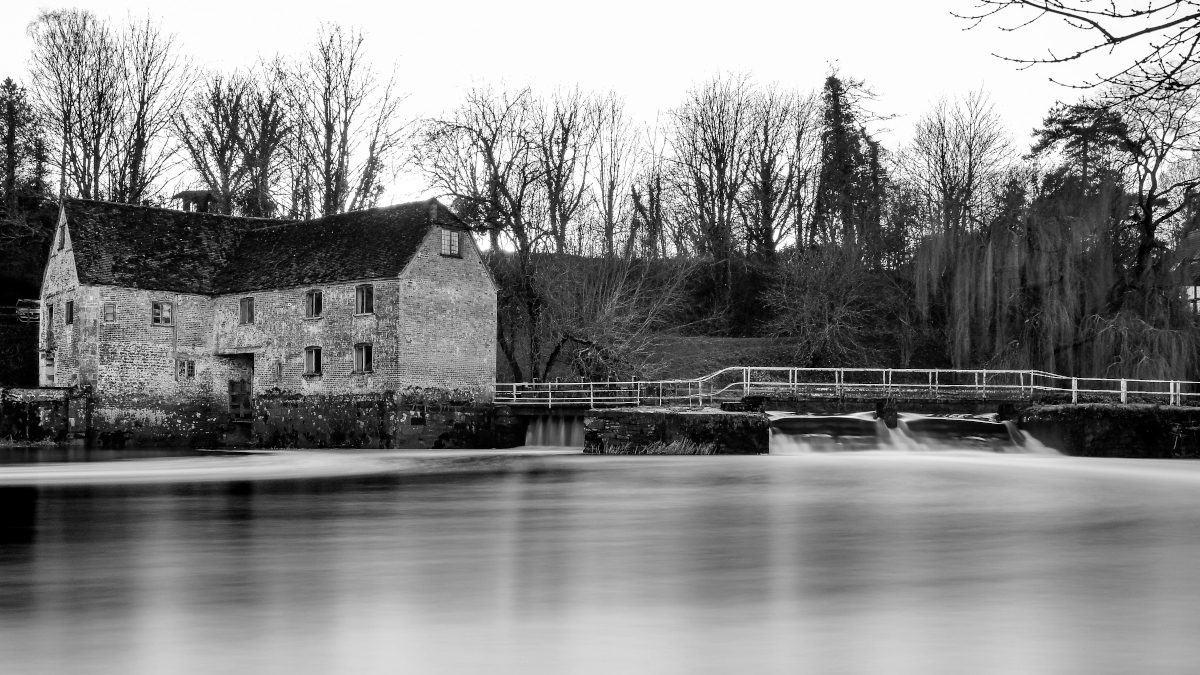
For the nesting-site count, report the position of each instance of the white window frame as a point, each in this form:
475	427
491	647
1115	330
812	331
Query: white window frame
364	358
451	243
246	311
312	360
364	299
160	318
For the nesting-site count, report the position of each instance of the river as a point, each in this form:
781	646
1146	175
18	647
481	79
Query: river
543	561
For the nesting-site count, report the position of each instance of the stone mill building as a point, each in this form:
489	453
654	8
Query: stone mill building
373	327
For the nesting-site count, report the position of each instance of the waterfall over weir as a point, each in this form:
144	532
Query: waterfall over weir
792	434
565	431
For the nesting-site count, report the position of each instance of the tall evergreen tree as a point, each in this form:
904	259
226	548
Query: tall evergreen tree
1085	132
849	194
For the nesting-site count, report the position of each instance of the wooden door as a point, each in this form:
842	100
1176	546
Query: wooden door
240	404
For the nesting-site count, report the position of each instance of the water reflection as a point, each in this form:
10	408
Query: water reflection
853	563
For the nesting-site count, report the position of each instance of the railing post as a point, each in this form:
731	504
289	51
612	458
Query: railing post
1123	390
591	394
983	376
936	396
1074	390
745	381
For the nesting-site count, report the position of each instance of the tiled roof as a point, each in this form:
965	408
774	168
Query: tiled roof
152	248
203	253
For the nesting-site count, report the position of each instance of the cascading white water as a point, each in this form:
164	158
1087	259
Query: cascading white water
563	431
792	434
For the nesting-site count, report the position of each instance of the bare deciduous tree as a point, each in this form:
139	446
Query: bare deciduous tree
483	157
77	77
1162	134
267	127
347	122
958	154
212	128
1167	33
614	158
782	162
710	153
564	136
153	88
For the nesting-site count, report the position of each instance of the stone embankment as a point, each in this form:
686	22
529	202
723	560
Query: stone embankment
1134	430
707	431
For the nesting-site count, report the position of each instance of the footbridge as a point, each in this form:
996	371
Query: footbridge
847	386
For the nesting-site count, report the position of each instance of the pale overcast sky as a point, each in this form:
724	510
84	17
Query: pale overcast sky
651	51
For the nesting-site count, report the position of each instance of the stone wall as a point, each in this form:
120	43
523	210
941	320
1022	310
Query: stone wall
39	416
281	332
378	420
447	331
633	430
1116	430
60	284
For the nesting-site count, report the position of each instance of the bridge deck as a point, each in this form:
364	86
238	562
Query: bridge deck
850	384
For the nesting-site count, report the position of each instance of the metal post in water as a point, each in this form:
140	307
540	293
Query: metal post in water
1123	390
1074	390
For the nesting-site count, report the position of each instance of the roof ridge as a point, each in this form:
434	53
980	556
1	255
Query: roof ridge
103	202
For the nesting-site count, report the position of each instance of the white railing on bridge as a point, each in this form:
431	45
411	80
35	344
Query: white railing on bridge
908	384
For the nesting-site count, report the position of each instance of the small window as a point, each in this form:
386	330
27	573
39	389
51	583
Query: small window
50	315
69	314
312	304
246	311
364	299
362	358
110	312
279	371
62	236
162	313
312	361
450	242
185	369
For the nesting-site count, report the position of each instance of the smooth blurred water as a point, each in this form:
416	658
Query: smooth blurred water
393	562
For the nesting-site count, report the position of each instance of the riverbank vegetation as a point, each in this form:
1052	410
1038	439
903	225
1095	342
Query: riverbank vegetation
767	213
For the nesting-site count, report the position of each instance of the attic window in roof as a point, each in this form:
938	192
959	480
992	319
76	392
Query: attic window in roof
162	313
364	299
450	243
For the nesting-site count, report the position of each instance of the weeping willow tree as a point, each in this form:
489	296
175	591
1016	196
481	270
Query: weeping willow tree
1079	277
1038	291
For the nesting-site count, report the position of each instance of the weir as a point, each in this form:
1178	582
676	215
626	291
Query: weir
564	431
792	434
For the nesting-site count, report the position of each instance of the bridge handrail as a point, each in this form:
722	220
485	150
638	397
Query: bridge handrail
710	387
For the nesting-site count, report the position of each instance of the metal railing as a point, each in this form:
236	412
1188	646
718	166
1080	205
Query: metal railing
910	384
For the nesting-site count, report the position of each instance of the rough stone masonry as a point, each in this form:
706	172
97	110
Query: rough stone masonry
183	327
